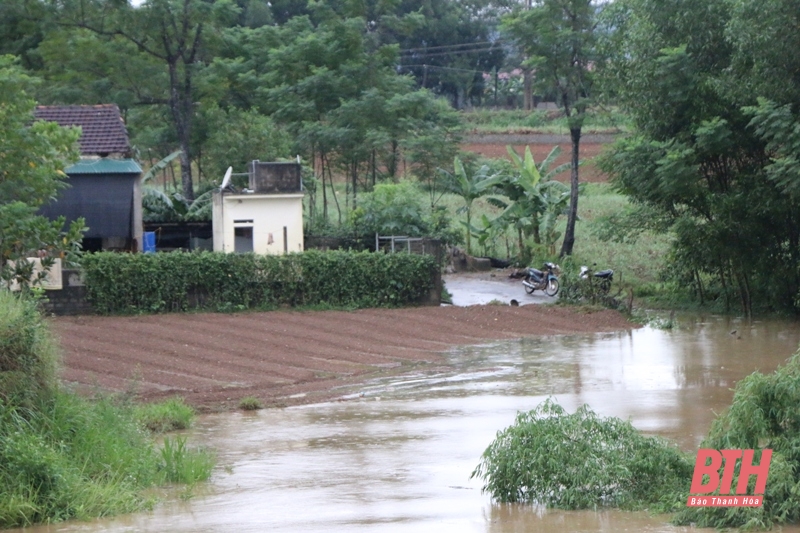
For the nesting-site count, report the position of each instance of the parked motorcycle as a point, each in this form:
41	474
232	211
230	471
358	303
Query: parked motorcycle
603	278
544	280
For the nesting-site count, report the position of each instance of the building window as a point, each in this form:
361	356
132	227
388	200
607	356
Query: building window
243	239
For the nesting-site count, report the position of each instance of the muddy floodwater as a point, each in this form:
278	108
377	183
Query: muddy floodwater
397	455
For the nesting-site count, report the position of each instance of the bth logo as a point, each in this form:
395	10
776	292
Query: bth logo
726	498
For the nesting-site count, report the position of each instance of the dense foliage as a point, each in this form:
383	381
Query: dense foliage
399	209
62	456
215	78
151	283
582	461
33	156
708	159
28	360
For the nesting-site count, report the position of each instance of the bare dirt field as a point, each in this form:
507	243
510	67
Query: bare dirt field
494	146
288	357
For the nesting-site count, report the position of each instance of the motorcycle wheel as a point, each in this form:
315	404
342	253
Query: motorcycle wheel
552	287
605	286
529	290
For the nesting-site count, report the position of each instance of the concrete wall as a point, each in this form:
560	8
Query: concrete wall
266	214
71	299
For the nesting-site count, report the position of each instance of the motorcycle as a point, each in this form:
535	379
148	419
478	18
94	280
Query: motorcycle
603	278
544	280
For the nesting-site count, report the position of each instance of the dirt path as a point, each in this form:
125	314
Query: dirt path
288	357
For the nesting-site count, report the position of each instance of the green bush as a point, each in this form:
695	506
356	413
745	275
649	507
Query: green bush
582	461
250	403
152	283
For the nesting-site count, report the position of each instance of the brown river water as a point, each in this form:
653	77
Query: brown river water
397	456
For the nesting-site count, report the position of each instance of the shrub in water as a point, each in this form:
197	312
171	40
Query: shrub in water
765	414
250	403
582	461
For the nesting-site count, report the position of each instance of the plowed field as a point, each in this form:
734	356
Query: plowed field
494	146
288	357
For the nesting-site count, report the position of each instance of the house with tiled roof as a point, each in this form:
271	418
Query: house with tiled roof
105	185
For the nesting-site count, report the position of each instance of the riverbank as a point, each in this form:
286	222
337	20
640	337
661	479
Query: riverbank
285	358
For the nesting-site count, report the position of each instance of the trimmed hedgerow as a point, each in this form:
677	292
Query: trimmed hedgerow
180	281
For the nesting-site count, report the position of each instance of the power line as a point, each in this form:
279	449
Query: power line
441	68
426	48
456	52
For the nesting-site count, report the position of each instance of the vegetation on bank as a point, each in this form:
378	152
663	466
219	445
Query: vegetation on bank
63	456
583	461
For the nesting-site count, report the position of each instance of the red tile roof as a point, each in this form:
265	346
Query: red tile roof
103	131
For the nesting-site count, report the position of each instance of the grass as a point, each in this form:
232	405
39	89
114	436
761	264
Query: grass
636	264
181	464
250	403
170	415
66	457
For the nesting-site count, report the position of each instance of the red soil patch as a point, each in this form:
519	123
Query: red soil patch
588	171
288	357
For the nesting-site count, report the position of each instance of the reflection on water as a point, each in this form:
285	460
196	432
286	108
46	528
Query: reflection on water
399	458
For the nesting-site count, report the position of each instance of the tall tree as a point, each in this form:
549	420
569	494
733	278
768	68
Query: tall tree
696	161
340	96
559	38
171	34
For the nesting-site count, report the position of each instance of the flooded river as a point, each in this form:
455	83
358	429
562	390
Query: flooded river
398	455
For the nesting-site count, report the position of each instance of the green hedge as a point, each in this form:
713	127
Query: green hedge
163	282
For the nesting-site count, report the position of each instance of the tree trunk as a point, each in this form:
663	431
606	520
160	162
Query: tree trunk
324	189
355	181
333	192
180	105
572	215
527	89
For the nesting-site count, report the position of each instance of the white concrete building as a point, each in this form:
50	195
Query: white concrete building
266	218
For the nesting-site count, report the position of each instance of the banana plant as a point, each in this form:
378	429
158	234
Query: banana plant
470	187
535	199
159	206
